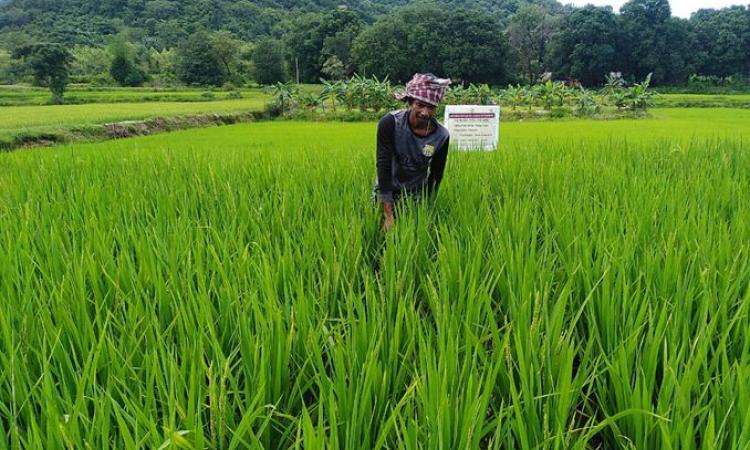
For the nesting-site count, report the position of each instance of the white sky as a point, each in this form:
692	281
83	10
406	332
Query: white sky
680	8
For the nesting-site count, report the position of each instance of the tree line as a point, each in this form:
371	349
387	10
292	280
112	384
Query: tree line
536	41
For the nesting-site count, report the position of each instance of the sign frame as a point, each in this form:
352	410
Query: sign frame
473	127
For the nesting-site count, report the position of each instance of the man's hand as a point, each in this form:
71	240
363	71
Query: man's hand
388	219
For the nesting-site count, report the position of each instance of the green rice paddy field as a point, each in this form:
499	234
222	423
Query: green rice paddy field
585	286
21	95
40	119
703	100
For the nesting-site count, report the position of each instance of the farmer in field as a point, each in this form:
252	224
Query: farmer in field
412	147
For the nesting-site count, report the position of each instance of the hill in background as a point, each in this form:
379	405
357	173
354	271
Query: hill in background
162	23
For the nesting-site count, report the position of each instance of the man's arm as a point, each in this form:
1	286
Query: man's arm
437	167
385	149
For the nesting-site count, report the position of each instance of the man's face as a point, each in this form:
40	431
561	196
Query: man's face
422	112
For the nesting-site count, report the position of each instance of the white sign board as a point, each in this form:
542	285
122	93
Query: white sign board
473	127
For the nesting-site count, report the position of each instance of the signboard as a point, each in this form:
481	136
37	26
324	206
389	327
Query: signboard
473	127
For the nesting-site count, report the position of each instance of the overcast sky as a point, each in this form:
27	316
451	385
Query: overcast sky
680	8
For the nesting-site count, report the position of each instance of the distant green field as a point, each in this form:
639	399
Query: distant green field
677	125
37	119
703	101
29	96
585	286
21	95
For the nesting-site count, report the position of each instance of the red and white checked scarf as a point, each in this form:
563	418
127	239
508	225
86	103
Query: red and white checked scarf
425	87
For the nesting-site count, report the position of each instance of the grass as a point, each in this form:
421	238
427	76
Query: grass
218	288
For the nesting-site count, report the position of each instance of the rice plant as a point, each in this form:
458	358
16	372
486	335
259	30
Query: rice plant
230	288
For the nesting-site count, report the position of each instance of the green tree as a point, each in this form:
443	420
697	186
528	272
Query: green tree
123	68
380	50
11	70
5	64
585	45
339	47
268	62
314	38
333	69
199	63
466	45
650	38
161	9
227	50
89	61
528	35
161	65
50	64
723	41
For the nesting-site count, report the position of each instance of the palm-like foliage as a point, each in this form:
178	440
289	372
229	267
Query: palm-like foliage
380	94
284	95
639	97
357	92
514	95
333	92
551	93
374	95
310	100
584	101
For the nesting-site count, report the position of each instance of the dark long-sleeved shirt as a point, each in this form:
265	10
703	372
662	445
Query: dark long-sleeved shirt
406	162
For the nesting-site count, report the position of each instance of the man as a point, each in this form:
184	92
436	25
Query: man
412	147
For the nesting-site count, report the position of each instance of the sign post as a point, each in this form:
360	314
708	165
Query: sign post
473	127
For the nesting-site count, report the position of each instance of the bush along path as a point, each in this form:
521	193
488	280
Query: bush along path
366	98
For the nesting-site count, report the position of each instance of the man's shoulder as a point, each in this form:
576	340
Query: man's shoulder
396	113
390	118
441	129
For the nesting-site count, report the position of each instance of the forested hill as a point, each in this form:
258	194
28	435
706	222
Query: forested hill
162	23
478	41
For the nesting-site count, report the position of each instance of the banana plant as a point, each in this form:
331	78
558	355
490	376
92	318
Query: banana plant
357	92
480	94
613	87
639	97
310	100
551	93
456	95
515	95
380	94
333	92
585	102
283	95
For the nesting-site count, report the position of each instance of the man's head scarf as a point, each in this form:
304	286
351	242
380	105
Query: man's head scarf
425	87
